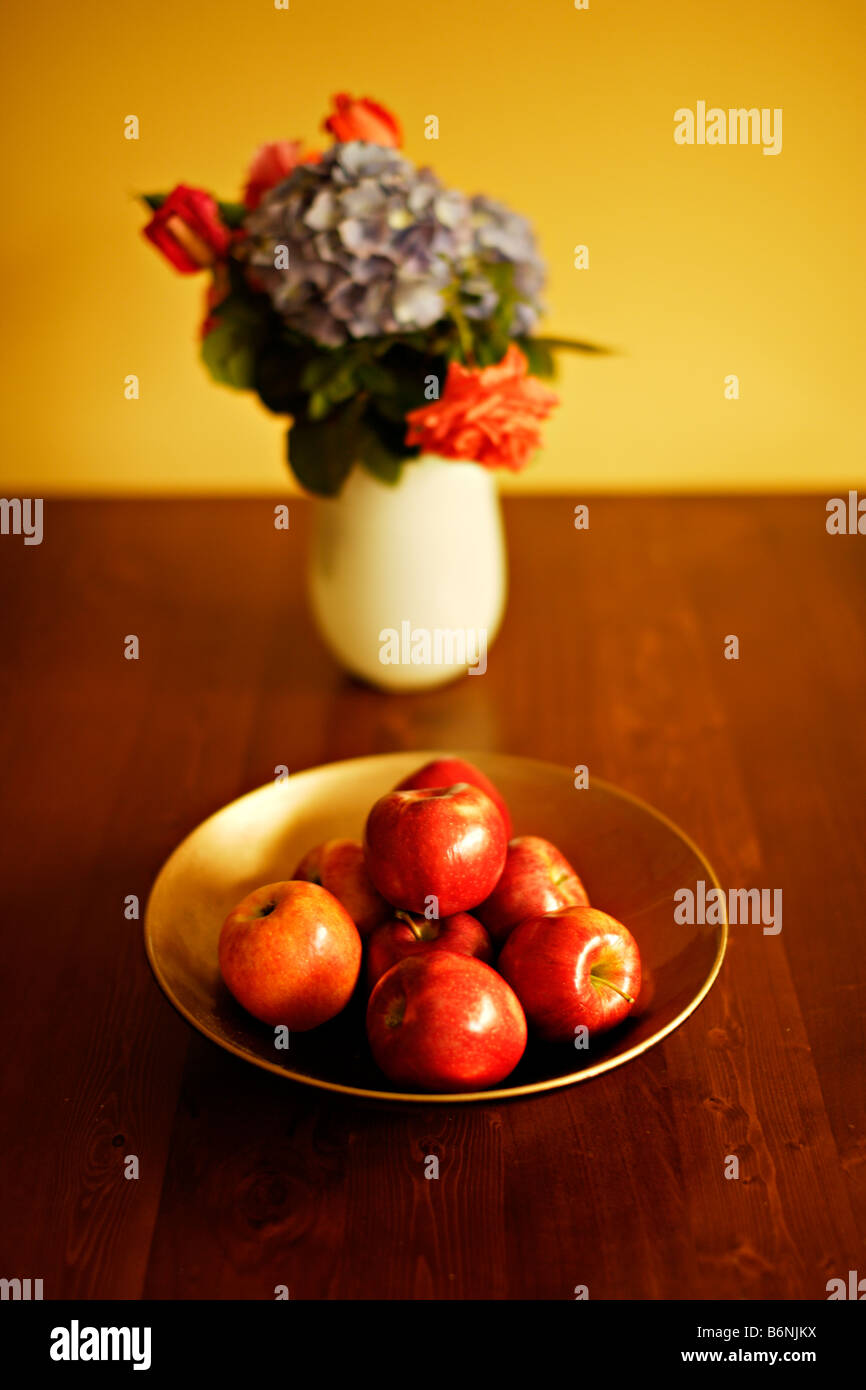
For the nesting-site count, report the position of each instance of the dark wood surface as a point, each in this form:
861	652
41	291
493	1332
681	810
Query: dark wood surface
611	655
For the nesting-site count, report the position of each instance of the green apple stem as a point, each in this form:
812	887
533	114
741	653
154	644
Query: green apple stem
621	992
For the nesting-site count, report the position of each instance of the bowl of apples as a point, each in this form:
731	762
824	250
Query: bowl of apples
433	927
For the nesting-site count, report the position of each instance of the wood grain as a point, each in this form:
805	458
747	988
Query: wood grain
611	655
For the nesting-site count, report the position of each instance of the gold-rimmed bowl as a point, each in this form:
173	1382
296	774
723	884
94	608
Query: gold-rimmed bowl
631	858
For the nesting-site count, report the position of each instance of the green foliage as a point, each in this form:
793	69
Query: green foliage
323	452
349	404
229	350
571	345
232	214
279	369
330	378
376	456
321	455
491	337
538	355
229	359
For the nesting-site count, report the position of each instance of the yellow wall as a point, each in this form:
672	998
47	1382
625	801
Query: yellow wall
704	261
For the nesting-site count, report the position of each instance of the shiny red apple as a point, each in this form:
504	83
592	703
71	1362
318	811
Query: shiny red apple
291	954
537	878
569	968
408	935
339	866
442	847
445	1022
446	772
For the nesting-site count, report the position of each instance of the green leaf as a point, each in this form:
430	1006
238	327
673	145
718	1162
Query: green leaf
538	355
232	214
229	358
491	345
382	446
326	364
321	453
456	353
378	460
154	200
340	388
573	345
229	350
409	370
243	309
318	406
278	371
490	337
333	378
376	379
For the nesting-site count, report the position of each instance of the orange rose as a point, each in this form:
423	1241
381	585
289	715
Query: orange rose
489	415
363	119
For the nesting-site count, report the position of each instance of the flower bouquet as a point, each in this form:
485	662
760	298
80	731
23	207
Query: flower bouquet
381	311
388	317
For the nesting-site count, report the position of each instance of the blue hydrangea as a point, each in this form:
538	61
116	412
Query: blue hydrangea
375	246
501	236
372	244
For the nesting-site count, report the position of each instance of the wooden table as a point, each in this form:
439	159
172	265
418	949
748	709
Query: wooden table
612	655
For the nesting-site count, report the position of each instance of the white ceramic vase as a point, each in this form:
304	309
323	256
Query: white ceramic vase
408	582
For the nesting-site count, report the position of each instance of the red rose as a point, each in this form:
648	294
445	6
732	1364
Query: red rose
188	230
490	415
271	164
363	119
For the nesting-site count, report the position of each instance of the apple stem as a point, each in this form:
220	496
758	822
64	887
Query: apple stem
621	992
410	921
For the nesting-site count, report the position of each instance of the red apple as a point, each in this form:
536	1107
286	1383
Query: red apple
447	843
536	879
290	953
406	935
338	865
447	772
445	1022
576	966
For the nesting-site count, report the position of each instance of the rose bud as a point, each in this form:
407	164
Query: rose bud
188	230
363	119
